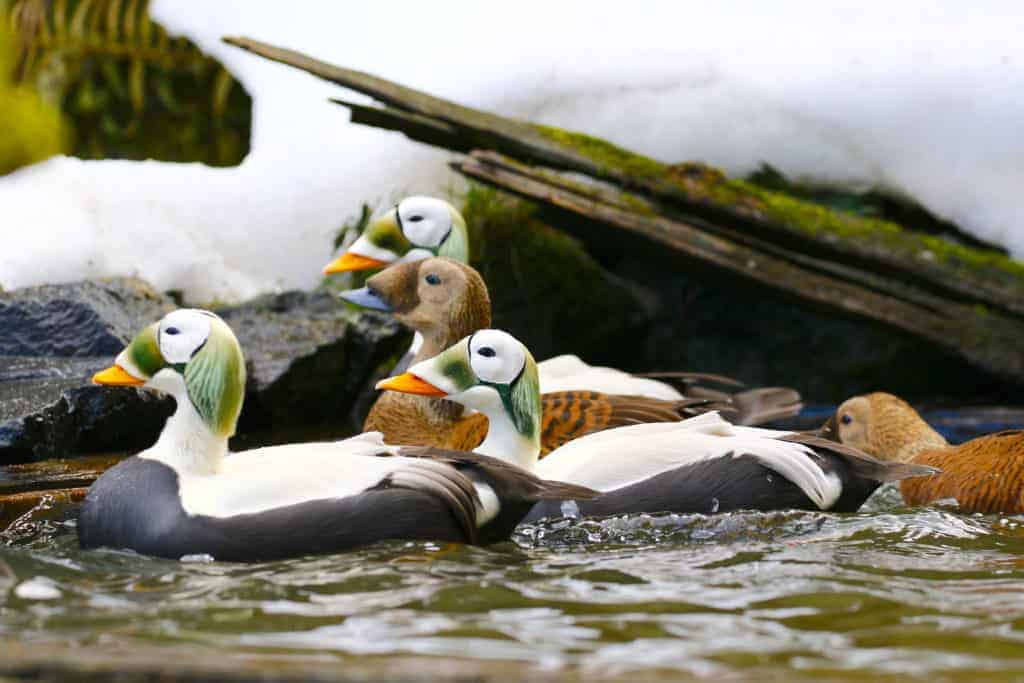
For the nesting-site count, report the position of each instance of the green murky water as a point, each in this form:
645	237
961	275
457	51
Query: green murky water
887	593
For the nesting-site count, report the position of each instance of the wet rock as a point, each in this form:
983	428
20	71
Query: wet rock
52	339
43	416
310	360
77	320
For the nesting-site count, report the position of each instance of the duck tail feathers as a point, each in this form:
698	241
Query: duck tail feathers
547	489
862	464
897	471
766	404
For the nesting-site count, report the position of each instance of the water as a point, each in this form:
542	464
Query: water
886	593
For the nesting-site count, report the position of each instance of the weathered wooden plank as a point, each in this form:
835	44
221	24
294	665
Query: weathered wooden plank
54	474
967	300
980	337
971	276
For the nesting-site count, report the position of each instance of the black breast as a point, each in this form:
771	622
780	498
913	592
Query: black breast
134	505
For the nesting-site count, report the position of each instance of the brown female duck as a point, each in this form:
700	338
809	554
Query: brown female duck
984	475
444	301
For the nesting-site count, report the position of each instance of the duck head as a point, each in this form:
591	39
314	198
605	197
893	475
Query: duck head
492	372
416	228
192	355
882	425
440	298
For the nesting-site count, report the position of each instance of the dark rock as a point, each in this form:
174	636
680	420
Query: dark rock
52	339
45	416
90	318
310	362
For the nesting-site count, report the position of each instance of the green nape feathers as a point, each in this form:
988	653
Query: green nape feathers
209	359
456	245
522	400
215	379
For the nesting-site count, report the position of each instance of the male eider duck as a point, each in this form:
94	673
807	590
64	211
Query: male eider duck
444	301
703	464
421	227
187	495
984	475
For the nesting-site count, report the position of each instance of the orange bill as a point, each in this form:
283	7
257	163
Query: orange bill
408	383
349	261
116	376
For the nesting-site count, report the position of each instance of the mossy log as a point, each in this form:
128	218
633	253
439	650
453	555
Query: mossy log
966	300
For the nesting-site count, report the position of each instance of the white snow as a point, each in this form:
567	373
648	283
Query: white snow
921	98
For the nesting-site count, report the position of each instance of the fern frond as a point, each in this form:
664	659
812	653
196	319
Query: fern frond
113	69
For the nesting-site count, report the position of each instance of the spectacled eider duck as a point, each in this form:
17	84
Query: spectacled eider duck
444	301
703	464
984	475
418	228
188	495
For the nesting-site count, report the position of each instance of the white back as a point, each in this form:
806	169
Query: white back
570	373
266	478
620	457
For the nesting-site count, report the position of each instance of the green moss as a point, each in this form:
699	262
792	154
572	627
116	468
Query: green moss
131	90
607	156
708	185
32	129
544	287
705	185
819	221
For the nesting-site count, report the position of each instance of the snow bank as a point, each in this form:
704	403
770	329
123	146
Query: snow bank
921	98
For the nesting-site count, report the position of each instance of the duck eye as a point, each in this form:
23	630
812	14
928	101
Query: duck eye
433	279
846	419
487	352
415	219
172	331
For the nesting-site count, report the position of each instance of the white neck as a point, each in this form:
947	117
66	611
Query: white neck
186	443
503	441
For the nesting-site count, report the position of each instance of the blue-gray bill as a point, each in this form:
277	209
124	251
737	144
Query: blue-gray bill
366	298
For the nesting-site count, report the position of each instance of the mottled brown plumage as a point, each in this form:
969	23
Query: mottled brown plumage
566	415
984	475
445	300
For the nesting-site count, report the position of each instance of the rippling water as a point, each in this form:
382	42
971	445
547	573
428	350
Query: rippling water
890	590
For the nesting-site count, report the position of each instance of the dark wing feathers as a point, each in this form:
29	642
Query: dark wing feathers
766	404
456	490
860	463
688	379
751	407
510	482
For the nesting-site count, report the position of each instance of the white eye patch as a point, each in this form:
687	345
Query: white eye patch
182	332
425	221
496	356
